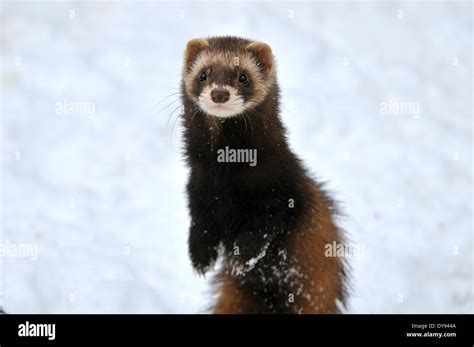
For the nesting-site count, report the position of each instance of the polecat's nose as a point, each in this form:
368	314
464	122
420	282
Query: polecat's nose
220	96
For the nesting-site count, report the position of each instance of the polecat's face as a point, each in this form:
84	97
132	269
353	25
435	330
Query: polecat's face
227	81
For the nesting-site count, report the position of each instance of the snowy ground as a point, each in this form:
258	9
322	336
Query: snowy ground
101	194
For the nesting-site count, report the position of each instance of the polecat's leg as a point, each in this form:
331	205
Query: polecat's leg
203	243
322	282
231	299
310	282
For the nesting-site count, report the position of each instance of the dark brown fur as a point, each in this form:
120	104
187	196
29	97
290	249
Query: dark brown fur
235	206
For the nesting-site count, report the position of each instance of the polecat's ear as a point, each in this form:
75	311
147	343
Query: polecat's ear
193	48
263	53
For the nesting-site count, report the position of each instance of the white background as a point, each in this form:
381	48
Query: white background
103	198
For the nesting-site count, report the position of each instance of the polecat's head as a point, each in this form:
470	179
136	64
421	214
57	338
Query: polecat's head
226	76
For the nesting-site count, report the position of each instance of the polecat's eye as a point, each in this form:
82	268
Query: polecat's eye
202	76
244	79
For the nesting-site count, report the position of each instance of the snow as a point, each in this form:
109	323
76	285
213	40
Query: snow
252	262
101	193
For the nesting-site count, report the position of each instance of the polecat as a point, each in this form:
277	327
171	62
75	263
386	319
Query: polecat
269	222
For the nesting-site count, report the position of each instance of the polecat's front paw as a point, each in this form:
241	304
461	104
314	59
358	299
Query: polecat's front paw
202	251
203	260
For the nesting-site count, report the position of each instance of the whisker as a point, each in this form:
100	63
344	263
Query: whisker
169	117
172	128
194	114
166	97
255	115
250	122
245	121
171	103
